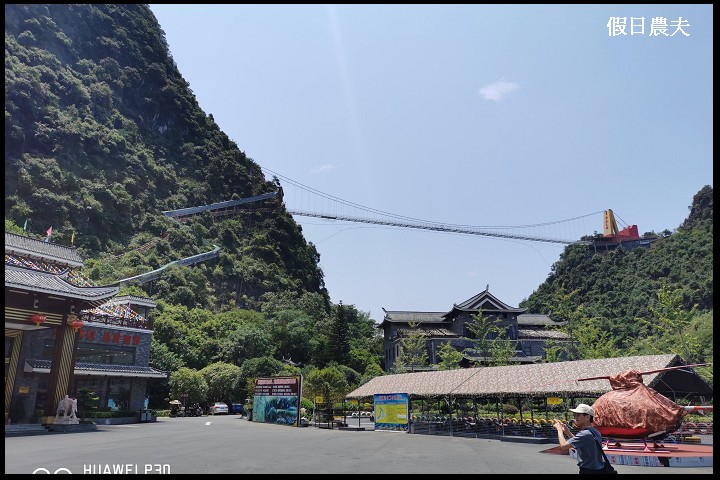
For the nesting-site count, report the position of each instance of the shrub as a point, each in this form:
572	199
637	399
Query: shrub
306	404
115	414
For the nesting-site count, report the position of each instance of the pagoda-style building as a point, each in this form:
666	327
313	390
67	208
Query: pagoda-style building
62	334
529	333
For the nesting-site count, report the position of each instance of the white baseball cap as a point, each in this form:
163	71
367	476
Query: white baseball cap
583	408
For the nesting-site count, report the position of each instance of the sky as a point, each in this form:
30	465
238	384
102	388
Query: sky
463	114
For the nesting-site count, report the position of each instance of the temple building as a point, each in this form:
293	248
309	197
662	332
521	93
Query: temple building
63	334
528	333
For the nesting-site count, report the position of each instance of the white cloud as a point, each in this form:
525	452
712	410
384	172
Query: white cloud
498	90
324	168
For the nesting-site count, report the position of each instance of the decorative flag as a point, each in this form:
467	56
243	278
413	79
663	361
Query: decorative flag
25	227
72	238
49	234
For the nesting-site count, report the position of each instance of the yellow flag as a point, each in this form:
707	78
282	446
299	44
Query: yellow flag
72	238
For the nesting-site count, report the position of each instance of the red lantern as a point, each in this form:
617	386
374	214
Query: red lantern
38	319
77	324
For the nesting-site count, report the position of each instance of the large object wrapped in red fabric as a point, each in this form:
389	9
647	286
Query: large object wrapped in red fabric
634	410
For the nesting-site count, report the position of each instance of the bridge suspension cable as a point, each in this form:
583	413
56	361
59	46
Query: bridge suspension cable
379	217
438	227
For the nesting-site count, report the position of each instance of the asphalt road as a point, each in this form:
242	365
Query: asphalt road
230	444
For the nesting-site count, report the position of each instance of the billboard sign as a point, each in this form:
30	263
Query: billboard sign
277	400
391	411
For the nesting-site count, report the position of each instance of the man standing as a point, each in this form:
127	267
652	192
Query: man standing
586	442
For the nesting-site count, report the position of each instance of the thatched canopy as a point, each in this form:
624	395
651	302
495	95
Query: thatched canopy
543	379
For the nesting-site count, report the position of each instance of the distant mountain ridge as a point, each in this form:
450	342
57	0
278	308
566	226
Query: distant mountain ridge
622	285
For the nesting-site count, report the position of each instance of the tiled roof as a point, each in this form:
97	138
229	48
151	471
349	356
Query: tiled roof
51	252
419	317
532	333
484	301
82	368
133	300
115	311
518	358
430	332
527	319
541	379
487	302
36	281
74	275
35	264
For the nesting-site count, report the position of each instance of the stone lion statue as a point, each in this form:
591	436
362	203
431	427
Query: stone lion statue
68	406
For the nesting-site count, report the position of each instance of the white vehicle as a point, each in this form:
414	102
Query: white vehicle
218	407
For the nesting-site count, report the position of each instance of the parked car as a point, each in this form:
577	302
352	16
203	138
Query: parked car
237	408
218	407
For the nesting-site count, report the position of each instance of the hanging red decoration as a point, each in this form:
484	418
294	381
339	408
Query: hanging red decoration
38	319
75	323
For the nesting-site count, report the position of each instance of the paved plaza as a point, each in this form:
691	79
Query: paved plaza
229	444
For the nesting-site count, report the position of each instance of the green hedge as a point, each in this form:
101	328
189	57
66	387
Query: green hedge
114	414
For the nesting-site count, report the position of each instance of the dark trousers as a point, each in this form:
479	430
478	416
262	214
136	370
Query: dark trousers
587	471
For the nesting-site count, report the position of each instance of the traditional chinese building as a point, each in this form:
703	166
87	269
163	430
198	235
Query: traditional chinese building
529	333
63	334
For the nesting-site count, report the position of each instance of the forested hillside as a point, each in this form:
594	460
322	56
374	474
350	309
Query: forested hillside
102	134
632	295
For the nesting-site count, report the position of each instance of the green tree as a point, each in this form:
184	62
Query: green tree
553	351
413	352
352	377
293	335
220	379
252	369
566	309
687	333
502	349
672	320
11	227
162	358
484	330
366	340
339	335
188	381
373	370
247	341
315	305
361	358
328	382
449	357
594	339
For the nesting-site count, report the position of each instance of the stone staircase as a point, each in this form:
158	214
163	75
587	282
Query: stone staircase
23	429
